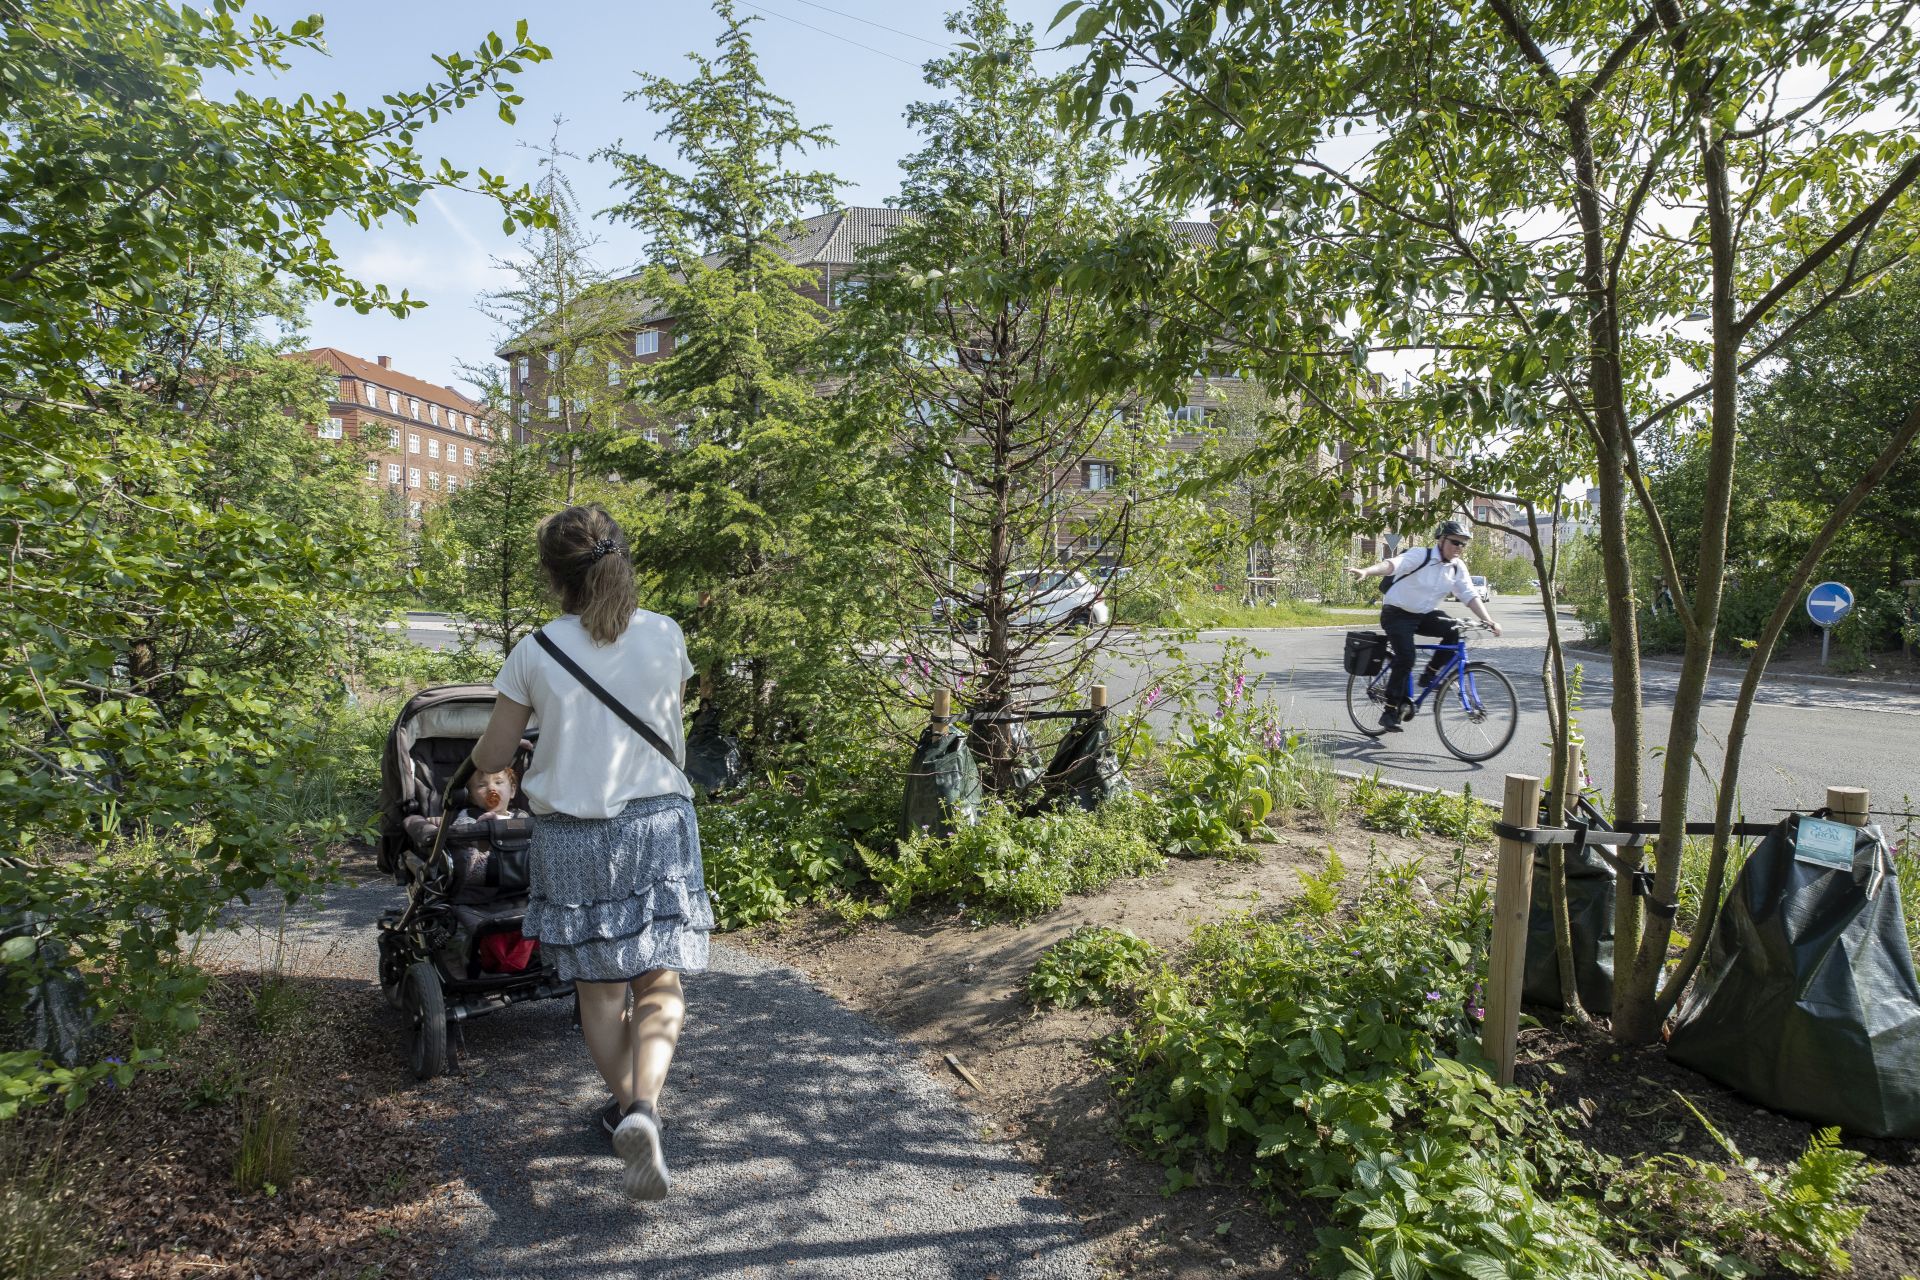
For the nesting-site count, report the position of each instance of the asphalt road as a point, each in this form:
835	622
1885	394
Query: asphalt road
1802	738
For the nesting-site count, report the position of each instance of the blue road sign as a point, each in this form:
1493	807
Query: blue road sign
1828	603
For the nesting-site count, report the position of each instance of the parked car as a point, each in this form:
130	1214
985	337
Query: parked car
1035	598
1483	587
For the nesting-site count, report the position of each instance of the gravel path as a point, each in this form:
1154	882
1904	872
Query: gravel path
804	1140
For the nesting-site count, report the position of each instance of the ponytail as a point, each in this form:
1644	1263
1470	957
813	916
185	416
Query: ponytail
584	553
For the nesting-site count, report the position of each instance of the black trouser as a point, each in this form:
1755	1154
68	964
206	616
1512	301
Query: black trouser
1401	626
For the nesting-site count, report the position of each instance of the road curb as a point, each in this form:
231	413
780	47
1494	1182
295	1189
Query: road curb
1789	677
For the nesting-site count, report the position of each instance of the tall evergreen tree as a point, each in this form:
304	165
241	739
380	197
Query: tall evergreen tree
955	348
758	531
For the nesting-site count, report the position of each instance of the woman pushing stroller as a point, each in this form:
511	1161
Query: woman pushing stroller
617	892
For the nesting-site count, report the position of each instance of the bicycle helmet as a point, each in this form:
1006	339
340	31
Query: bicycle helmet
1453	529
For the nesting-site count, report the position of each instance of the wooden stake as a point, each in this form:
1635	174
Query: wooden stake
1848	805
1512	898
942	705
1099	697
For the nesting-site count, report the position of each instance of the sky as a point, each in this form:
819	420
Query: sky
841	72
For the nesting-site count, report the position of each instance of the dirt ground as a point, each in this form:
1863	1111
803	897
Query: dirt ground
952	988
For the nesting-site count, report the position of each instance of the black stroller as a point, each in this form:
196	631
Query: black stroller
454	952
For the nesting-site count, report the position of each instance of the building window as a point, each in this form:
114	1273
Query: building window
413	443
433	448
646	342
1192	413
1100	475
413	477
371	394
337	384
413	407
469	422
452	483
613	372
553	407
484	455
373	472
468	452
393	473
413	509
553	362
650	436
433	480
433	414
522	365
393	402
526	411
579	404
393	437
333	429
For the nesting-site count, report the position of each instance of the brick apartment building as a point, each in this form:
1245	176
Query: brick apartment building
424	440
832	244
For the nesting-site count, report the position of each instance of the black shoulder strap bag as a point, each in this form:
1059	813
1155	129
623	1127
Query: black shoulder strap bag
614	704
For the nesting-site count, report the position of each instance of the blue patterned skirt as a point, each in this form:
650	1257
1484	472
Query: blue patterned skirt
611	898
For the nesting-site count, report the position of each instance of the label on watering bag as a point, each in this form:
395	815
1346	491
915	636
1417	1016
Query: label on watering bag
1823	843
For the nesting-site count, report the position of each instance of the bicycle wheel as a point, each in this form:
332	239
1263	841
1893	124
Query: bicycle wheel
1367	702
1476	722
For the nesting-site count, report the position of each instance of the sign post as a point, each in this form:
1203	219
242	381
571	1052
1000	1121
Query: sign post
1827	604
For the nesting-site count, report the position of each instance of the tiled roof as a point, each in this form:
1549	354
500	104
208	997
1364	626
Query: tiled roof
353	366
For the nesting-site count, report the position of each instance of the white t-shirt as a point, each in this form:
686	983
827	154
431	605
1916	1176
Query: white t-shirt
1422	590
589	762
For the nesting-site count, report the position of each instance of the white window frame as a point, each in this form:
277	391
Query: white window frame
371	394
433	481
523	366
468	455
393	473
373	470
613	372
332	429
413	408
526	411
433	449
393	402
413	477
433	414
553	361
553	408
1101	475
646	342
413	442
393	438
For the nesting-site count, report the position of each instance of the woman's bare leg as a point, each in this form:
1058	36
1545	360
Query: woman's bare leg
603	1020
659	1007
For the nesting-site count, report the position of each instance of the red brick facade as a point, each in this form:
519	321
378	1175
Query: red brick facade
423	440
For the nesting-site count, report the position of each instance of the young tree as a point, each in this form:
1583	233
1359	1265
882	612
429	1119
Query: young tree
1545	195
760	526
567	315
187	568
478	553
953	345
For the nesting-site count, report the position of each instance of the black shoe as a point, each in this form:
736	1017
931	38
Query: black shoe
1390	720
1427	678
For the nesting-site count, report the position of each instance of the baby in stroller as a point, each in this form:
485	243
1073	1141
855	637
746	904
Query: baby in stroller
457	841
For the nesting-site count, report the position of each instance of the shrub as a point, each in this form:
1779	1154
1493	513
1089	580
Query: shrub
1219	789
1092	965
1012	867
1333	1055
1399	812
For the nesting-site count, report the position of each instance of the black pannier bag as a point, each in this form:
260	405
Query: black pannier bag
713	758
1806	1002
943	784
1085	772
1590	887
1366	653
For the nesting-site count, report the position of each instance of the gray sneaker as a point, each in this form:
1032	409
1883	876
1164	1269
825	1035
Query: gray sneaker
610	1117
637	1140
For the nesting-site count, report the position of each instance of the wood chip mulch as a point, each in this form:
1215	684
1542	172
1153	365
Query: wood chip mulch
150	1168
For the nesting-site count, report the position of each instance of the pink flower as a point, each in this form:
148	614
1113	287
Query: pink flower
1153	696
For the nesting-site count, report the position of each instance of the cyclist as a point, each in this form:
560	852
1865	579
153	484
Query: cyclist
1420	578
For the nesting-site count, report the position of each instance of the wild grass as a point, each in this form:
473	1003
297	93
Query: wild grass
45	1230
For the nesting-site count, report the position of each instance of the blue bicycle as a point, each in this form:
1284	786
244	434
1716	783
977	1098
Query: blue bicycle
1475	708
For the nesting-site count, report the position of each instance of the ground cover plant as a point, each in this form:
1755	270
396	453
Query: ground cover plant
1330	1056
1094	964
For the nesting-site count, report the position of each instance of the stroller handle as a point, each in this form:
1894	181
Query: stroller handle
457	871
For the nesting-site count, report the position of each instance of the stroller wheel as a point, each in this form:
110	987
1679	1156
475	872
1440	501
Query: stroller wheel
426	1008
393	970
